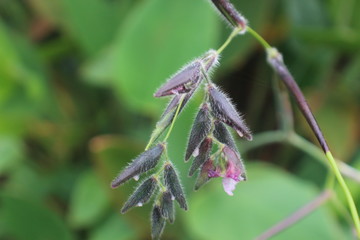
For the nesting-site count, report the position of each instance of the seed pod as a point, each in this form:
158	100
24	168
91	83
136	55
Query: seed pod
157	223
183	81
224	110
173	183
222	134
141	195
210	59
204	153
200	129
167	206
230	14
143	163
203	176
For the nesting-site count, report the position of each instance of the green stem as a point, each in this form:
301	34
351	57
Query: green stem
346	190
261	40
174	119
229	39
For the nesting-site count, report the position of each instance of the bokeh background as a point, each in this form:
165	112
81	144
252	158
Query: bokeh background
76	85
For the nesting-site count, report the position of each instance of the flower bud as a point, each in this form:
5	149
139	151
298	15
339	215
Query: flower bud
167	206
203	176
157	223
229	12
222	134
210	59
200	129
204	153
141	195
173	183
183	81
223	110
143	163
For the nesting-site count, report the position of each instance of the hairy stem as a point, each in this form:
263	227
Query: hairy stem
296	216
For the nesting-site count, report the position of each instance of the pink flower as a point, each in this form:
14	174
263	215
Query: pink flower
233	173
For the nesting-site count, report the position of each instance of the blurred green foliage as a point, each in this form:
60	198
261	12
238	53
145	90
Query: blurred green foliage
76	85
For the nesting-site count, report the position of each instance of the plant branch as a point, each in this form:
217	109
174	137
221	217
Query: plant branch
296	216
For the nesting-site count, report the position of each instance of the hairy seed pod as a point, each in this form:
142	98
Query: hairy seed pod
200	129
224	110
204	153
143	163
210	60
167	206
141	195
173	183
222	134
203	176
183	81
230	14
157	223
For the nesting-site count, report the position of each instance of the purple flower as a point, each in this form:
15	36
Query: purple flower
232	173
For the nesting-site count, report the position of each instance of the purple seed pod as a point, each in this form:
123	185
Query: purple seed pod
222	134
167	206
172	182
183	81
141	195
204	154
223	109
229	12
157	223
203	176
143	163
210	60
200	129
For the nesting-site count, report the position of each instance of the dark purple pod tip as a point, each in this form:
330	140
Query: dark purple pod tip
223	110
229	12
183	81
143	163
210	59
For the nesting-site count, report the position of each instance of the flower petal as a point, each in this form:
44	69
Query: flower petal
229	185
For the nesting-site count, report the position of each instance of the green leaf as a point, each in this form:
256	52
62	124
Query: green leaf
113	228
266	198
158	38
10	152
89	201
22	220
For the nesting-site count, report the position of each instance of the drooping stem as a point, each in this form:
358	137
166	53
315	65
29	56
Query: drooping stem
296	216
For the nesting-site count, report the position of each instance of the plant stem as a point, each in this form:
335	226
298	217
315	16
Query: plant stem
261	40
174	119
347	192
296	216
229	39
